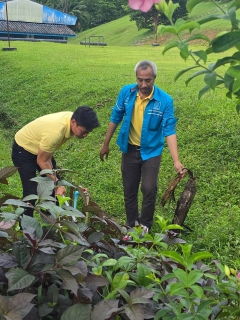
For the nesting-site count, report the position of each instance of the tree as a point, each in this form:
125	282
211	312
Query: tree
214	75
89	13
227	42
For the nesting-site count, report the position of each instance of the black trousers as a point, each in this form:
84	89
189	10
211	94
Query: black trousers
27	169
134	172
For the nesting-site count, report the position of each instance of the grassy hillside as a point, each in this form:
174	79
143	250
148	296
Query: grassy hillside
123	32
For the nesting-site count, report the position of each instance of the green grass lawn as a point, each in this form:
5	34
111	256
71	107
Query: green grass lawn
40	78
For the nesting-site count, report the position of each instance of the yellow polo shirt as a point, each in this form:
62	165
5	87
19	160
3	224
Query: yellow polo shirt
48	132
137	119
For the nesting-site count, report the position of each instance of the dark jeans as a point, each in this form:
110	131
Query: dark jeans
134	171
27	168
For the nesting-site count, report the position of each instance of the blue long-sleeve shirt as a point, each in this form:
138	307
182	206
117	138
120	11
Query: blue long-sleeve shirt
158	120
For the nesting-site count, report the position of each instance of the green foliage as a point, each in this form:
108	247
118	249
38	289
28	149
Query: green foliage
56	268
89	13
215	76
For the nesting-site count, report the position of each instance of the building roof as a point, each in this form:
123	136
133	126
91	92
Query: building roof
30	28
30	11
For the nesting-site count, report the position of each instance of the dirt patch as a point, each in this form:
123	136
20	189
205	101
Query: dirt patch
166	38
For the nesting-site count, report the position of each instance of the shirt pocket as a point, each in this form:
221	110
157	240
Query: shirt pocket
155	122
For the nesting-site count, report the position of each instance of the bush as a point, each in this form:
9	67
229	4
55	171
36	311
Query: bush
69	264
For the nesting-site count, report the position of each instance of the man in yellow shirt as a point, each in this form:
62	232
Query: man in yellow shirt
35	144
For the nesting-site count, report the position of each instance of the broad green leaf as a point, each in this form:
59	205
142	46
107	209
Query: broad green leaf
174	256
204	304
173	226
8	217
124	294
62	199
72	213
193	277
198	291
142	272
51	208
227	271
167	29
45	188
226	41
234	72
69	254
125	263
170	46
19	279
65	183
167	8
198	36
225	60
97	270
46	171
185	316
109	263
186	250
211	79
179	289
77	311
200	256
188	25
119	280
201	54
234	3
210	18
203	91
31	197
182	276
196	74
99	255
180	73
179	22
183	47
228	81
17	203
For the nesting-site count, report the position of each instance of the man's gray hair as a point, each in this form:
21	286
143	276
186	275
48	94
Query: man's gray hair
144	64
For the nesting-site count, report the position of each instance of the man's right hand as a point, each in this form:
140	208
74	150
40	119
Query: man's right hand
61	191
104	152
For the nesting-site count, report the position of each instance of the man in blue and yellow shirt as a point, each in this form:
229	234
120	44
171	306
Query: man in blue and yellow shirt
35	144
147	117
